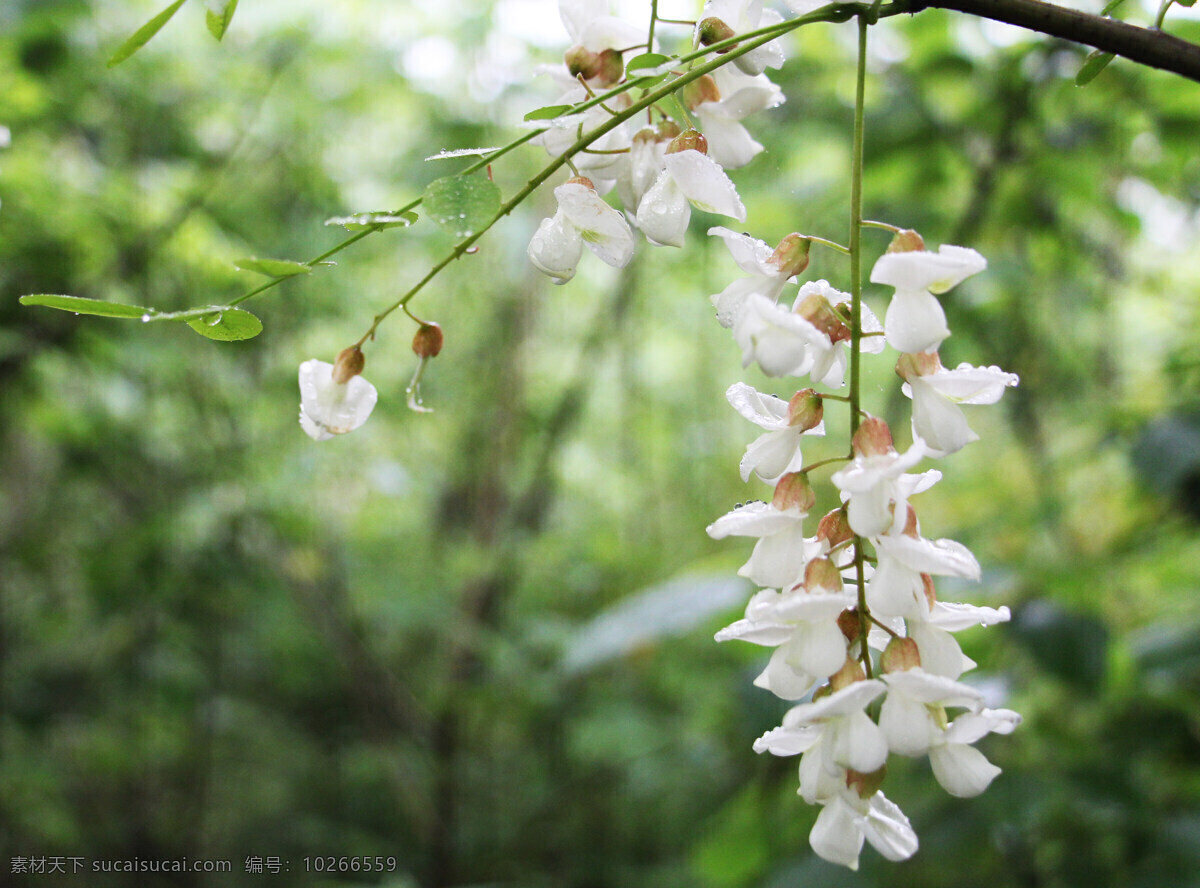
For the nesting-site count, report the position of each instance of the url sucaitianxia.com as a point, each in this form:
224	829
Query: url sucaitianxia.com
61	865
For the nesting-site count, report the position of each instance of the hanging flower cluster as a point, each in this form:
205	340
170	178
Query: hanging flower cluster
877	667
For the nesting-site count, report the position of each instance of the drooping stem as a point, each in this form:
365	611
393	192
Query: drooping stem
856	226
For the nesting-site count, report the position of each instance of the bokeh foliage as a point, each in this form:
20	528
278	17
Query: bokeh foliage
479	640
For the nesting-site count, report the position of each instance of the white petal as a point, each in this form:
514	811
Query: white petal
748	252
729	143
781	342
601	227
907	724
963	771
848	700
937	421
788	741
765	411
329	408
921	270
888	830
953	616
915	321
925	687
837	836
818	648
772	454
768	633
756	519
704	183
664	212
857	742
778	560
782	678
943	558
971	385
940	653
896	590
972	726
555	248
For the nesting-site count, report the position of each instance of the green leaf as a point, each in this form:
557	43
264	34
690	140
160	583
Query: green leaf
1096	61
1111	6
278	268
646	60
143	34
228	326
79	305
548	113
218	22
359	221
462	205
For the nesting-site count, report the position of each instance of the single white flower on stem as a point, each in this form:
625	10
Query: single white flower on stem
874	485
780	341
936	393
961	769
767	270
777	451
940	651
597	39
915	321
582	218
913	716
722	19
847	819
720	102
638	168
816	302
689	177
901	585
334	398
781	553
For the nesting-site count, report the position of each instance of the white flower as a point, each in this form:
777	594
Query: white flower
763	276
915	321
897	587
835	730
907	719
782	342
638	169
940	652
563	132
743	16
589	25
962	770
582	218
781	553
777	451
936	418
688	178
329	408
846	819
874	484
741	95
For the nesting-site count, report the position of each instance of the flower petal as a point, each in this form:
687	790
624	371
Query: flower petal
704	183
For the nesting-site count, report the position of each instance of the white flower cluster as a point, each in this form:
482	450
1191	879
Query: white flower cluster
877	679
657	170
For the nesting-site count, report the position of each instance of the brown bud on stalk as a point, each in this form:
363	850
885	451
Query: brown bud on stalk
581	180
822	575
817	311
834	528
791	256
582	62
919	364
900	655
793	492
866	785
712	30
906	241
850	672
690	140
873	438
428	341
349	364
805	410
850	624
701	90
611	68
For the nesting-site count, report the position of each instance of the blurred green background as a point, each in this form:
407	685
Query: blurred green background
479	641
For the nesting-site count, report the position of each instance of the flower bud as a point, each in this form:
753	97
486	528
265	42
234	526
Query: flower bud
610	68
822	575
850	624
850	672
873	438
349	364
919	364
428	341
817	311
582	62
900	655
866	785
791	256
834	528
805	410
794	492
712	30
703	89
691	140
667	129
906	241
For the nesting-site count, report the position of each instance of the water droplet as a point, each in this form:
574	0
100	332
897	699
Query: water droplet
472	250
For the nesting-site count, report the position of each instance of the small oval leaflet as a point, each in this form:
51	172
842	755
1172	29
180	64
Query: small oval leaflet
548	113
462	205
80	305
231	325
1096	61
273	267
